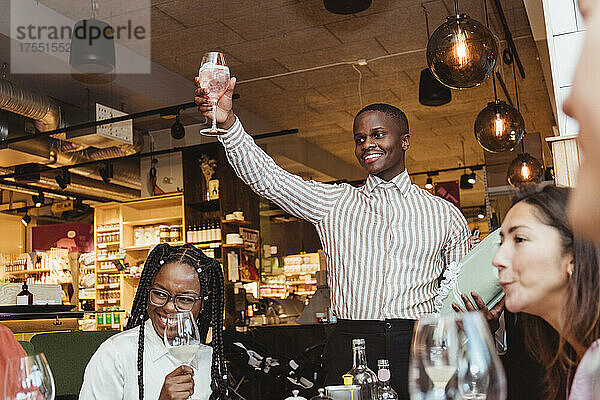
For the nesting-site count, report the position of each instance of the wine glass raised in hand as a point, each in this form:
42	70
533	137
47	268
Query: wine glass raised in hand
213	76
182	337
28	378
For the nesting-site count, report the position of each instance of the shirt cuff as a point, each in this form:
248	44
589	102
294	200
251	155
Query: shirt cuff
234	135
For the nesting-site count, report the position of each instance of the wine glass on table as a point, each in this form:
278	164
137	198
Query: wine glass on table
434	357
480	375
213	76
28	378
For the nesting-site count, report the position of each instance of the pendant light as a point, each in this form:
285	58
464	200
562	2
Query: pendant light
462	52
525	169
499	126
431	92
177	130
91	55
345	7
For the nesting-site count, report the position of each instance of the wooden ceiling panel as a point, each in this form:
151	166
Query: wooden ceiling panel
295	42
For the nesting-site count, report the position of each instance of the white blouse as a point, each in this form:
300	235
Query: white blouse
111	373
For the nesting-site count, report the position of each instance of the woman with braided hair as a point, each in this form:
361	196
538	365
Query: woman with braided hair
135	364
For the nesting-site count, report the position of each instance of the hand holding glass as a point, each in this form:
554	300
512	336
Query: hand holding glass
28	378
213	76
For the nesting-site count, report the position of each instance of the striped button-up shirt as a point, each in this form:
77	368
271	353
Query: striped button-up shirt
386	242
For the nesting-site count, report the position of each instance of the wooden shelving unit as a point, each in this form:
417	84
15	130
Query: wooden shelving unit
158	210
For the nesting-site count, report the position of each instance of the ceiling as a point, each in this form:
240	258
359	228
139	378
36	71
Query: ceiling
265	38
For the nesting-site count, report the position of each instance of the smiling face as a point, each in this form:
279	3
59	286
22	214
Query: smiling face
175	278
532	265
380	144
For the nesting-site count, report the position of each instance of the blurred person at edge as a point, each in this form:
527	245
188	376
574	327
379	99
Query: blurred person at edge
551	277
583	104
9	348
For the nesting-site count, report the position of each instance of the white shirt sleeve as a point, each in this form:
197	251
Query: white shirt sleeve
104	378
309	200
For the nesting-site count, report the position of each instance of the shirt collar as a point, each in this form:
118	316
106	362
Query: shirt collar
156	348
401	181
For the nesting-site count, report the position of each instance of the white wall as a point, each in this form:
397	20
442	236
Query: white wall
565	32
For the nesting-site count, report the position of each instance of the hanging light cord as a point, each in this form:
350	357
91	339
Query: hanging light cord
359	85
487	24
456	11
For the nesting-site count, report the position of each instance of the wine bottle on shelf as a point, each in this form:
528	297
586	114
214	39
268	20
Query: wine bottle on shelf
218	231
361	374
188	234
25	297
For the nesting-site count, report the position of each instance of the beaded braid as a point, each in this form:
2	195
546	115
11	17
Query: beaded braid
212	284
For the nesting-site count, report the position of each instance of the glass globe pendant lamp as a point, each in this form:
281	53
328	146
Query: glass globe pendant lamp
525	169
462	52
499	127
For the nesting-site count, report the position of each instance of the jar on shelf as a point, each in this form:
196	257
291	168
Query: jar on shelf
175	233
138	235
164	233
148	235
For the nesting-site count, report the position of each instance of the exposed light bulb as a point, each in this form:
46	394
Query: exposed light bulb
429	184
525	172
460	49
499	125
480	216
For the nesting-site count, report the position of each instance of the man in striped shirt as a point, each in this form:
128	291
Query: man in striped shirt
386	242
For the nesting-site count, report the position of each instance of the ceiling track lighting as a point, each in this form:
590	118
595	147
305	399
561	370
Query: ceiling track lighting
106	172
499	127
38	200
177	130
26	219
63	179
429	184
431	92
462	52
91	55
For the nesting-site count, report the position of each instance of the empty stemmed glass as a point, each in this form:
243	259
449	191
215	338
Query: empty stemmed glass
28	378
453	357
213	76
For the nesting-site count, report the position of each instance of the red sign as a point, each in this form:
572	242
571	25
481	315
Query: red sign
75	236
448	191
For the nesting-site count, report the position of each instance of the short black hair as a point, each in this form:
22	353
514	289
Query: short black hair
389	110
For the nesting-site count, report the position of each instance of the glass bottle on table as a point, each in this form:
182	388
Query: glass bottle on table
361	374
384	390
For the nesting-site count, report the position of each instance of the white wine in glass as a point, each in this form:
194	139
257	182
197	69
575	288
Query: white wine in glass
182	337
214	77
28	378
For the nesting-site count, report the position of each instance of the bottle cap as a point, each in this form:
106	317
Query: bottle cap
347	379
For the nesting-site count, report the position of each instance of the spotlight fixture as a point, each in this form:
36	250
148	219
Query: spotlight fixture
106	172
26	219
499	127
63	179
38	199
345	7
462	52
472	178
177	130
91	53
429	183
465	182
525	169
481	214
431	92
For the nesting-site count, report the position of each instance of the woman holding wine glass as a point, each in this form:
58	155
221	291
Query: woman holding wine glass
552	278
177	283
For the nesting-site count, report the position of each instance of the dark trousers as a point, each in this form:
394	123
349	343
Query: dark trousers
389	339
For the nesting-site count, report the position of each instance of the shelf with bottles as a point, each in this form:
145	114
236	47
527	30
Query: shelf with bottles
206	232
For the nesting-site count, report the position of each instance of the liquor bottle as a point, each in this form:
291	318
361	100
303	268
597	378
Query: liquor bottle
25	297
385	391
361	374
